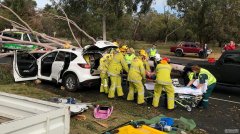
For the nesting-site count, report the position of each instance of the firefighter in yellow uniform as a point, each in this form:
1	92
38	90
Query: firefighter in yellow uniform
136	76
115	68
103	67
163	80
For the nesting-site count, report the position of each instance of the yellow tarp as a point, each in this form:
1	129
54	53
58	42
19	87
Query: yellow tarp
142	130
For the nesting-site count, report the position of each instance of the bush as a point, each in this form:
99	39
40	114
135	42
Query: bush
6	75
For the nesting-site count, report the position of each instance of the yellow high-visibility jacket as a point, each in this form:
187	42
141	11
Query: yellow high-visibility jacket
136	71
103	66
146	65
163	72
117	64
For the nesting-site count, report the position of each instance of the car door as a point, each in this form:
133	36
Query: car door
45	64
194	48
58	65
229	69
186	48
24	67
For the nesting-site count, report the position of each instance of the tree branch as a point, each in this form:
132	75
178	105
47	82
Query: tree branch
72	22
70	26
1	5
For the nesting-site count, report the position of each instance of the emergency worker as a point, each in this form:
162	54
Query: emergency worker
130	56
203	75
163	80
103	67
116	66
136	77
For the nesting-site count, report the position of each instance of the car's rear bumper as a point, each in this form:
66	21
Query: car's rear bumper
90	83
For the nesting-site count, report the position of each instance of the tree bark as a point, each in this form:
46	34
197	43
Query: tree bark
104	27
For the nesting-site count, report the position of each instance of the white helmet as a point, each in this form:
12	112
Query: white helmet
158	57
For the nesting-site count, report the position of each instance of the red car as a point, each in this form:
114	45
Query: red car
189	48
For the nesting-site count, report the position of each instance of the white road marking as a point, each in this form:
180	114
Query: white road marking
224	100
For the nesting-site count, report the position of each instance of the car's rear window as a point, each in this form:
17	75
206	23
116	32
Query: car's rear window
186	45
73	56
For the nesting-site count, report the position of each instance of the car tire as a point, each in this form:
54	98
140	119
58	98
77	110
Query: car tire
71	82
179	53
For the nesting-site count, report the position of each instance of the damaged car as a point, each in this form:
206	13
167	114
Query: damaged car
73	68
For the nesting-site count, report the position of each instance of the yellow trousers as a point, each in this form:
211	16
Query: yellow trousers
116	83
133	86
170	95
104	83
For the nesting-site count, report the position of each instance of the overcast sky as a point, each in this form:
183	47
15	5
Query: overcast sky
158	4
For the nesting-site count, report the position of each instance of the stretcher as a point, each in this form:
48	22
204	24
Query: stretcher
187	97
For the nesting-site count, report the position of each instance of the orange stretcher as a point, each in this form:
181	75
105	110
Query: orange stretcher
129	129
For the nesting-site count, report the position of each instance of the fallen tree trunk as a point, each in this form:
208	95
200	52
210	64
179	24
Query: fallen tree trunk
5	54
27	42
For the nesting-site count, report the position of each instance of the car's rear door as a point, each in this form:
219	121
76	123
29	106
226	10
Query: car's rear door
60	65
24	67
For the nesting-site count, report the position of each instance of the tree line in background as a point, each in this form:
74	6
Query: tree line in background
205	21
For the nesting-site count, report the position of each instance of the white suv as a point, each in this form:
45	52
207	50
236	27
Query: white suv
71	67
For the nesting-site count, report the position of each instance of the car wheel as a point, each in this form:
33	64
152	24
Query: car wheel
179	53
71	83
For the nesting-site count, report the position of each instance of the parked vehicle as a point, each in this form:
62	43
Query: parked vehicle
17	35
72	68
14	33
23	115
189	48
225	69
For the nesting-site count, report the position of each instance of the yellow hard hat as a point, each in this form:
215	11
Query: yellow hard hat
115	43
124	48
67	45
142	52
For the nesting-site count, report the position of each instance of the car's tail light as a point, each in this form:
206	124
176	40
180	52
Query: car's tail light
87	66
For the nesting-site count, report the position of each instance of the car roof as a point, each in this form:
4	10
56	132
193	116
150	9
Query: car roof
233	51
14	32
73	50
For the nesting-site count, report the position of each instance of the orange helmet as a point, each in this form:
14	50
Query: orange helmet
166	59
